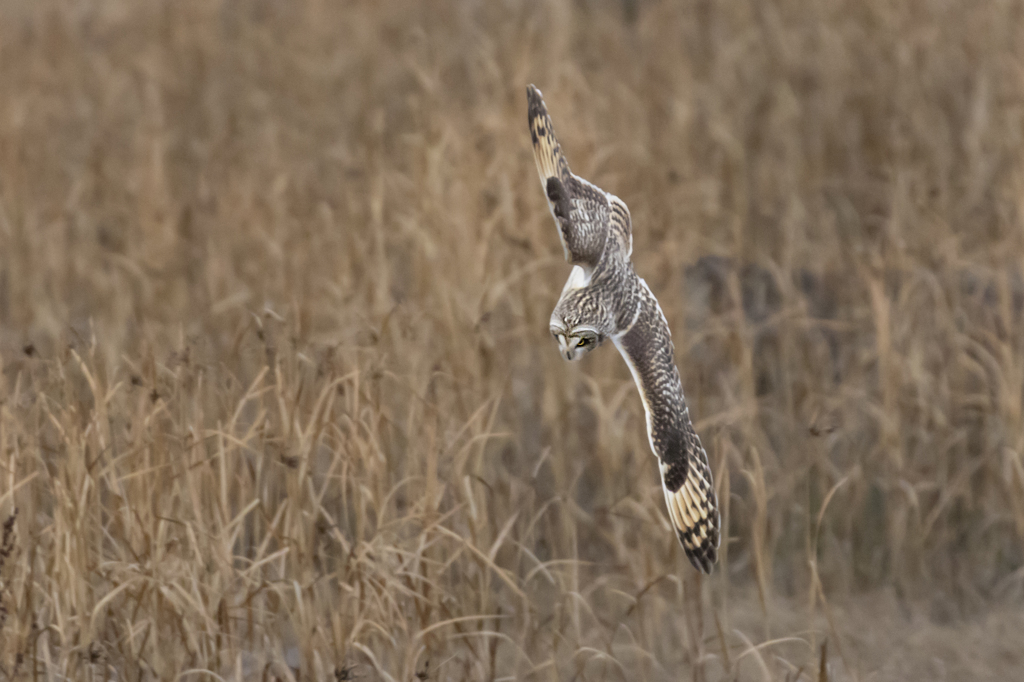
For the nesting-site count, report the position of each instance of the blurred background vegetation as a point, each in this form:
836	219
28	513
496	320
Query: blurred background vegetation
278	398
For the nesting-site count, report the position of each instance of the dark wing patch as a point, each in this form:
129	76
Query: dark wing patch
559	198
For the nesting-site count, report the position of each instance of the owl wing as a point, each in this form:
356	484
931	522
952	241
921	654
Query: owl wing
583	212
647	349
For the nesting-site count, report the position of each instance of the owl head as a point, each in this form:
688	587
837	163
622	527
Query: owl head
574	341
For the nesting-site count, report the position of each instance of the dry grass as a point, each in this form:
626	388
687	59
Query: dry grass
278	398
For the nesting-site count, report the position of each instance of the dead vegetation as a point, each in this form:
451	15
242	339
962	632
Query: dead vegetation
277	396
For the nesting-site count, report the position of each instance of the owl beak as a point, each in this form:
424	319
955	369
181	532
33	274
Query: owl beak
563	347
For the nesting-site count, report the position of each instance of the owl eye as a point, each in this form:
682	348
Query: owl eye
582	342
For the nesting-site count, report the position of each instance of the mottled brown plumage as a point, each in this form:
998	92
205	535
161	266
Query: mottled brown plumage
604	298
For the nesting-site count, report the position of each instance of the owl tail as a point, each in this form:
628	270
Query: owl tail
551	162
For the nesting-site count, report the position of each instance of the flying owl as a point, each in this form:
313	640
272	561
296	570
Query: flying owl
605	299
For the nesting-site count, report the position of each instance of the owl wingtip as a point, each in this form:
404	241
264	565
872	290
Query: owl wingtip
704	561
546	151
535	100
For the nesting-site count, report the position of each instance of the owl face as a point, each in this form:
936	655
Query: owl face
575	342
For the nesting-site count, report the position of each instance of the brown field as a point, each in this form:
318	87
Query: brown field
278	399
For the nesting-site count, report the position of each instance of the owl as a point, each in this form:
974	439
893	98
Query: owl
604	299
